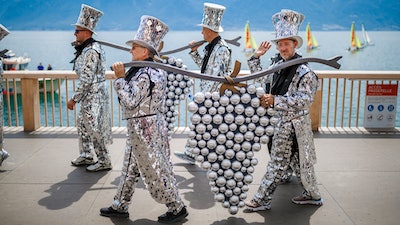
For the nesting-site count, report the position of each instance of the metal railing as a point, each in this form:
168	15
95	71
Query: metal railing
339	103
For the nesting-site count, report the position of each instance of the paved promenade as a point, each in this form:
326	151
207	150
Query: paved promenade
358	173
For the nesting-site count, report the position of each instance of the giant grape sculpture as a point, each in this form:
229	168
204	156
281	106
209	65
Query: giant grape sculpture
225	132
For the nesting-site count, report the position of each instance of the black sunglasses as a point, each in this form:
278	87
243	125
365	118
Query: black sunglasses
77	31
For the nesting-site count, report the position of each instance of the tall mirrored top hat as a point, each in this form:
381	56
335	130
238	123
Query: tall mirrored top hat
150	33
3	32
88	18
287	24
212	16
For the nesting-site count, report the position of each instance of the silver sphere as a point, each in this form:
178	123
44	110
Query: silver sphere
238	176
251	89
256	147
206	165
215	96
204	152
259	131
226	164
208	103
229	118
220	149
229	143
192	107
228	174
219	197
221	181
248	179
246	146
201	143
212	111
223	128
264	121
224	100
230	135
214	166
199	97
235	99
217	119
231	183
233	209
206	119
239	109
255	102
260	92
201	128
236	165
245	98
261	111
269	130
264	139
239	138
214	132
232	127
212	157
221	110
240	155
202	110
229	108
211	144
221	139
239	119
229	154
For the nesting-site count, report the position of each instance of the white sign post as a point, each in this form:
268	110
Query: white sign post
380	106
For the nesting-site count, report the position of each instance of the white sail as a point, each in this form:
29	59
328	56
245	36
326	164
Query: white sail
367	39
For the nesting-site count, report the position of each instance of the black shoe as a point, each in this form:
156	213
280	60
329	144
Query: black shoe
110	212
169	217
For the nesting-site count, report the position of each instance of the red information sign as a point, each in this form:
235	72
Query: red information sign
380	106
381	89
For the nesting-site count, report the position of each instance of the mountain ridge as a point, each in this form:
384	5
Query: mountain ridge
329	15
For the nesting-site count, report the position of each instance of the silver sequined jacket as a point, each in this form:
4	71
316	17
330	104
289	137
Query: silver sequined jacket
144	94
218	64
295	105
297	101
91	69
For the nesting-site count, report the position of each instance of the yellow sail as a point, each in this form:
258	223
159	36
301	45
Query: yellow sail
247	35
311	41
253	43
353	37
355	43
249	42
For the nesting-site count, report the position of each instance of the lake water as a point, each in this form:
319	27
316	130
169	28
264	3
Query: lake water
53	47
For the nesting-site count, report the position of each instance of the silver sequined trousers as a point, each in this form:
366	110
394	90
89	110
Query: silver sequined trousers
147	155
282	159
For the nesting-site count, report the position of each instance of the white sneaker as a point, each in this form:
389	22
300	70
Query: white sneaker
188	158
253	206
3	156
306	200
98	167
82	161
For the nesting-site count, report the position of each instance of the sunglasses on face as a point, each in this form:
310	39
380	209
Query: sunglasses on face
77	31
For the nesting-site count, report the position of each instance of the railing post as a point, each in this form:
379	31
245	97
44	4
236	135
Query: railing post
315	110
30	103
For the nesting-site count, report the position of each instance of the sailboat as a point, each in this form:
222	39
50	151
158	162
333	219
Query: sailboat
367	39
311	41
355	43
249	42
